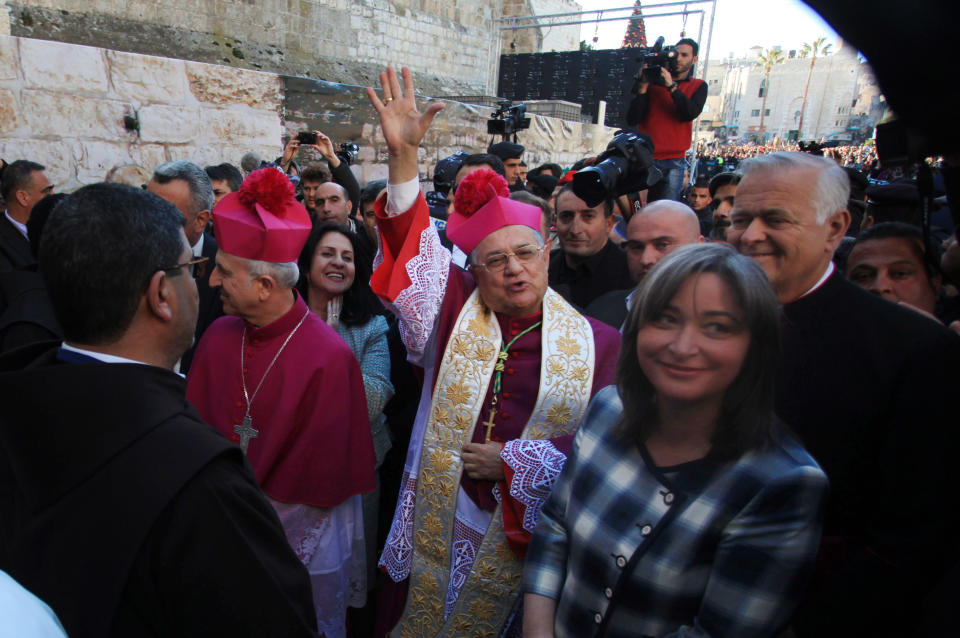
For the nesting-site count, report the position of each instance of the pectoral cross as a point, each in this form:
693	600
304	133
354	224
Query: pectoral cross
489	424
246	432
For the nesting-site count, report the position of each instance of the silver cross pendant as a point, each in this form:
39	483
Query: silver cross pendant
246	432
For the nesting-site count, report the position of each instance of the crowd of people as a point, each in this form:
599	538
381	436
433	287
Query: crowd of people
717	156
268	400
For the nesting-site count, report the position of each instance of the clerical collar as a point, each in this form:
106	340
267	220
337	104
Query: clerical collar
281	326
99	356
820	282
198	247
21	227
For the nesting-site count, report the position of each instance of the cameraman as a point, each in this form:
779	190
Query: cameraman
665	110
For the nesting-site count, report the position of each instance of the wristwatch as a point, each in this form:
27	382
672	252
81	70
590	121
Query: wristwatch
672	87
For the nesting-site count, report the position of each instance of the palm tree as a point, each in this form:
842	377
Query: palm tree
817	48
767	59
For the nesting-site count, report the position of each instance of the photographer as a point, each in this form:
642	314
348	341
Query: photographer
665	109
339	169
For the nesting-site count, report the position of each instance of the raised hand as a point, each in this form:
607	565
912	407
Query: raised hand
402	124
324	146
289	152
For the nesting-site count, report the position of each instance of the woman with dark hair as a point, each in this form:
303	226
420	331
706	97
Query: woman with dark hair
336	287
685	509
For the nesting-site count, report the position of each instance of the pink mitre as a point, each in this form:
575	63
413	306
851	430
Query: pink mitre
263	220
482	205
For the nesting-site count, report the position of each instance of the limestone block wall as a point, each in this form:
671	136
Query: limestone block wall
450	42
63	105
343	113
70	117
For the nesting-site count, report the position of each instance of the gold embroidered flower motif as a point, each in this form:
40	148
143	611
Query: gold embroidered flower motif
478	327
458	393
441	415
568	346
482	609
462	421
486	568
460	346
440	460
559	415
555	367
485	350
432	524
581	373
462	625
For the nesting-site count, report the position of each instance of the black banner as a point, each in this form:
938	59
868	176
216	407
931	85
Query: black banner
584	77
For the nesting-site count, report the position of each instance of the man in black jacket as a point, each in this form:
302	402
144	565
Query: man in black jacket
865	384
588	264
189	188
22	184
118	506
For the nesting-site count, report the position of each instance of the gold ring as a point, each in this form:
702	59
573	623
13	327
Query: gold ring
389	99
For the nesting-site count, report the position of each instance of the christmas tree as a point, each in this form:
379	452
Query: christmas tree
636	35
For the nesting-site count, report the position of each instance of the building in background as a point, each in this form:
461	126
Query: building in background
540	39
843	101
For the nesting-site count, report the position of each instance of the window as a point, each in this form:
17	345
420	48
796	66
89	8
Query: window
736	115
755	113
766	112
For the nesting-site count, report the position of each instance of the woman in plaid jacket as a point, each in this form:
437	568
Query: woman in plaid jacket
684	509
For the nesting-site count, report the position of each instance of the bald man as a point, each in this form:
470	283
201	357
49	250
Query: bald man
332	204
661	227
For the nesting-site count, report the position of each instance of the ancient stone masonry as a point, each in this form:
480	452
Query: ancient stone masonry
343	113
70	117
452	44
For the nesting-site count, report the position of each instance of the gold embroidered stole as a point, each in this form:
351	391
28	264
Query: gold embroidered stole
566	376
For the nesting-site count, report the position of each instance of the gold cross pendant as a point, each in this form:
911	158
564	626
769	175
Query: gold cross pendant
489	424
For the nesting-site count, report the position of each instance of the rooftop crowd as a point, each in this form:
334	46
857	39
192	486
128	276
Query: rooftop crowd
269	400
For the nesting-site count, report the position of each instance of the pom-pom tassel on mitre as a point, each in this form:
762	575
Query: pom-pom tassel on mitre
269	188
478	188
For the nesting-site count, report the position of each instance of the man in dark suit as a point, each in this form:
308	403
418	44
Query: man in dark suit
588	264
23	184
119	507
187	186
865	384
660	228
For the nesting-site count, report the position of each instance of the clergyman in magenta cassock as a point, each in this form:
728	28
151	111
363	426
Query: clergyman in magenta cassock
456	545
290	393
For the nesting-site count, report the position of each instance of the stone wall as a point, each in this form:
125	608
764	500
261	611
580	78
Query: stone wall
4	18
451	43
70	117
343	113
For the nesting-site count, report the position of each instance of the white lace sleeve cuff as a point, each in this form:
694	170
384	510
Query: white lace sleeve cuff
536	466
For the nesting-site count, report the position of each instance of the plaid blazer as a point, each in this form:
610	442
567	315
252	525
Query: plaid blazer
716	549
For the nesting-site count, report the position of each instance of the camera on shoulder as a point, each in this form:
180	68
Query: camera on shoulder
653	59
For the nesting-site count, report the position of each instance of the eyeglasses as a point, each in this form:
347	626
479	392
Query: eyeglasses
196	267
524	254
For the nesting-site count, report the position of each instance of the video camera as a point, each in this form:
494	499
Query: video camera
508	119
348	153
655	58
625	167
